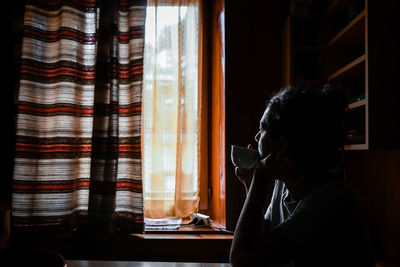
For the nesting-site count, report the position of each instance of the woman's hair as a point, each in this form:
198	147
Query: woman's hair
311	118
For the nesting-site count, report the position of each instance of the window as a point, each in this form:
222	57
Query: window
171	110
184	110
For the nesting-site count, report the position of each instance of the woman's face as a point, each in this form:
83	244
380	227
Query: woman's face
266	144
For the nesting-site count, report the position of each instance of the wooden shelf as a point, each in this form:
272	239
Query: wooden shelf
346	54
356	147
357	56
357	104
302	49
353	26
347	67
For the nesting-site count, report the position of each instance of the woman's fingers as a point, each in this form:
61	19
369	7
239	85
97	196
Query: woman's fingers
245	176
250	146
243	173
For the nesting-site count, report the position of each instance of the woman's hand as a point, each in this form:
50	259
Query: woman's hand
245	175
274	166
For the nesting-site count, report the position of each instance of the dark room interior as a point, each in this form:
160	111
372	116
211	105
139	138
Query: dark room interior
268	45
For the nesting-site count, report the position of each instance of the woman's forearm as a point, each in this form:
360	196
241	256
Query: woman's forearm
251	221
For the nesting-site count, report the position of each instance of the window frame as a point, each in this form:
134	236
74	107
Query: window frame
216	207
212	114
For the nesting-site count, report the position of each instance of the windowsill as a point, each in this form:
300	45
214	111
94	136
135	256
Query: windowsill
188	243
208	232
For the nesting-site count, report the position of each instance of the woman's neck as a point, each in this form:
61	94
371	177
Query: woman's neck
297	184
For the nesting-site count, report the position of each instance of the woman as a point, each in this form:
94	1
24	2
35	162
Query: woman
313	218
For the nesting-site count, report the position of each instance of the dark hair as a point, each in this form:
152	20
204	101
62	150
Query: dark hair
311	118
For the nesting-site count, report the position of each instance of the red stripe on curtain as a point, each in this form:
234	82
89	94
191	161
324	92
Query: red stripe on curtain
49	3
75	110
53	148
35	187
129	110
133	33
58	72
136	70
129	147
62	33
122	185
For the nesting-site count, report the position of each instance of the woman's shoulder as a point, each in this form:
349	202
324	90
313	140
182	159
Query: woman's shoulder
333	192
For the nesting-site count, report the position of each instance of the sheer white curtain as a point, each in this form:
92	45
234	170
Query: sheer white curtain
171	109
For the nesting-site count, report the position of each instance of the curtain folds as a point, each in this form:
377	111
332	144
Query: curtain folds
171	108
78	158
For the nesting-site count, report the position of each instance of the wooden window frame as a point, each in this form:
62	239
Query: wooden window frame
212	117
212	133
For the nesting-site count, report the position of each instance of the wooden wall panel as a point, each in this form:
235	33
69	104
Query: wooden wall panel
391	222
376	176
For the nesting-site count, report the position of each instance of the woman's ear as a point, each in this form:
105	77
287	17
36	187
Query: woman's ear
282	148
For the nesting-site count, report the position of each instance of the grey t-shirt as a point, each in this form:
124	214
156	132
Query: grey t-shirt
326	225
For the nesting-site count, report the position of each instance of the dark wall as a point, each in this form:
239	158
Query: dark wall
11	20
375	174
253	73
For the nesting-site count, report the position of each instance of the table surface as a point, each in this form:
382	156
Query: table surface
80	263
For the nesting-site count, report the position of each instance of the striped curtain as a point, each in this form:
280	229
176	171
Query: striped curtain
78	133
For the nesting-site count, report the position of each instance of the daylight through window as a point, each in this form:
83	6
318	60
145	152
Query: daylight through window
171	110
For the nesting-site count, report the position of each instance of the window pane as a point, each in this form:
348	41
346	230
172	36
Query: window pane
170	100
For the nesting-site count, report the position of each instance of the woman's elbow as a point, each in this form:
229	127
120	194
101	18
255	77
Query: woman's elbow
234	258
235	261
239	259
